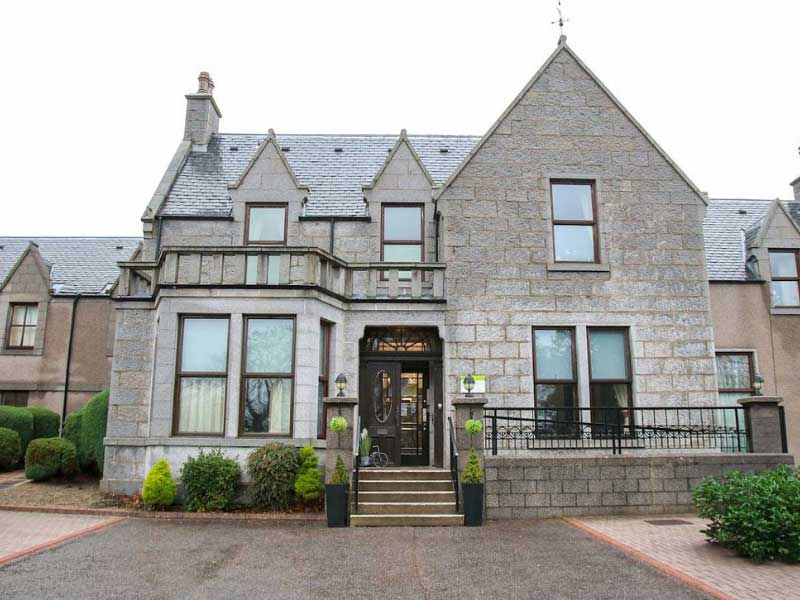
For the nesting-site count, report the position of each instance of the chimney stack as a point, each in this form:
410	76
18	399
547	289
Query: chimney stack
202	112
796	185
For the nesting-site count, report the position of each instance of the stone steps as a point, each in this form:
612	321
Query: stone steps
405	497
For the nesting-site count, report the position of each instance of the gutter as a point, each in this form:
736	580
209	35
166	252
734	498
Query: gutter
69	361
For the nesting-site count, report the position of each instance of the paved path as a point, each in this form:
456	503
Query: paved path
683	548
151	559
22	532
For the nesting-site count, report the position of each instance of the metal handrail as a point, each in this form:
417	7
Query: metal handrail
453	460
356	463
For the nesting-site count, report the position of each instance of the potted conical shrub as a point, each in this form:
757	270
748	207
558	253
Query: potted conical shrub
472	480
336	496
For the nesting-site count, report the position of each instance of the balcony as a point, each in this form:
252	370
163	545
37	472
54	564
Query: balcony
307	268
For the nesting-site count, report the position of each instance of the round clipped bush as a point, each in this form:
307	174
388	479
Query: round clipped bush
273	470
209	482
756	515
308	485
20	420
72	427
159	488
45	422
338	424
50	457
93	429
10	449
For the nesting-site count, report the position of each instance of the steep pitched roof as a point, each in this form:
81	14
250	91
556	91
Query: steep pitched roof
335	178
730	227
82	265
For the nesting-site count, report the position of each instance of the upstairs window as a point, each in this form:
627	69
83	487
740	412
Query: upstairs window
22	326
785	285
402	234
266	223
574	221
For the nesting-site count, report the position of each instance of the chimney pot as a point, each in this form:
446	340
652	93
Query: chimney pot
205	83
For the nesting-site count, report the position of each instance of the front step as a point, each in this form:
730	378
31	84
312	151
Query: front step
405	497
407	520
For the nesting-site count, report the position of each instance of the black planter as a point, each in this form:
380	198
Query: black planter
473	503
336	504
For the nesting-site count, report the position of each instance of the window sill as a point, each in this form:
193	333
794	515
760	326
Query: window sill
785	310
561	267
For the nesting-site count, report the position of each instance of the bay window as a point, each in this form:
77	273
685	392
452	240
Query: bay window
784	268
201	375
267	376
323	384
555	378
610	398
574	221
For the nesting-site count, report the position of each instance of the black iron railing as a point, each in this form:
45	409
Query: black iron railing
356	462
616	429
453	460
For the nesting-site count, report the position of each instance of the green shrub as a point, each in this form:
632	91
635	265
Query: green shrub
209	482
10	449
473	473
273	470
159	488
93	429
48	457
337	424
756	515
45	422
339	475
20	420
308	485
72	427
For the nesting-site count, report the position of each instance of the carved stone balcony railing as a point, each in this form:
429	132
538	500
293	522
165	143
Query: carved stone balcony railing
281	268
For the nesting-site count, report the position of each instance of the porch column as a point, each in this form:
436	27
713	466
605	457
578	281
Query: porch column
766	430
468	407
339	443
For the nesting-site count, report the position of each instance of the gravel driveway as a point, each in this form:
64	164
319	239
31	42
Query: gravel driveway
148	559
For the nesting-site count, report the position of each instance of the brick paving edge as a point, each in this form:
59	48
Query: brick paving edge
168	516
650	561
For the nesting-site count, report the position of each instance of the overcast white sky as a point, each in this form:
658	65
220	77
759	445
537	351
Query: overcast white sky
92	103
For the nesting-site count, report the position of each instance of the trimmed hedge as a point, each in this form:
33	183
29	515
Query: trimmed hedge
93	429
20	420
209	481
45	422
159	488
72	426
10	449
48	457
273	470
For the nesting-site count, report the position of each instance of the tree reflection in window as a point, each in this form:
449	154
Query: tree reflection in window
400	339
382	396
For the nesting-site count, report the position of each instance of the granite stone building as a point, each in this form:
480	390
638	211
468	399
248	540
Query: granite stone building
560	255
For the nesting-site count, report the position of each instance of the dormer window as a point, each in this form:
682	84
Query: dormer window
574	221
266	223
784	268
402	234
22	328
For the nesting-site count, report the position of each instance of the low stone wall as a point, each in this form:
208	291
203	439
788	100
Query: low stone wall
534	487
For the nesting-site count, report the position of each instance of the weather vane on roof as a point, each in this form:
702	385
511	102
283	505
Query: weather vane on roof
561	20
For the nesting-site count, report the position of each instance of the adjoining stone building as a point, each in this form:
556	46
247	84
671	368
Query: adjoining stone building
57	318
560	255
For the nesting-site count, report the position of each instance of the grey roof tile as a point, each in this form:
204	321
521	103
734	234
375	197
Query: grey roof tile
335	179
78	264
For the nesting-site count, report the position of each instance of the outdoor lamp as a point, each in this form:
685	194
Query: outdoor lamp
758	384
341	383
469	384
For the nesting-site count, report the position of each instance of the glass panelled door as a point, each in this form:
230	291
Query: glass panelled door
413	418
380	407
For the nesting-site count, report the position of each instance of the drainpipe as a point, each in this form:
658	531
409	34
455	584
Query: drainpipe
333	221
437	216
69	360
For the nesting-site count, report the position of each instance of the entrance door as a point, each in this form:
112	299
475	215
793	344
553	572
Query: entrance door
380	407
413	417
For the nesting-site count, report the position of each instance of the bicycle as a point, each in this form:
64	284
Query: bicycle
378	458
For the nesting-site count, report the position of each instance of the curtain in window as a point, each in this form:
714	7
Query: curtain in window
268	405
202	404
733	371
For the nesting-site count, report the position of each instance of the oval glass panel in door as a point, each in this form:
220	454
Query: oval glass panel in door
382	396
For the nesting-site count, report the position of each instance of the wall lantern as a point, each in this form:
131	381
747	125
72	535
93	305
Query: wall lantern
341	383
758	384
469	384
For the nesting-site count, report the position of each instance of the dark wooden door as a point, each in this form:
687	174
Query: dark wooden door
379	407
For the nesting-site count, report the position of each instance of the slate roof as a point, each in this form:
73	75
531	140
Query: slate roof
729	226
335	179
82	265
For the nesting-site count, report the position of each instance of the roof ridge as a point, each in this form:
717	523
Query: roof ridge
70	237
374	135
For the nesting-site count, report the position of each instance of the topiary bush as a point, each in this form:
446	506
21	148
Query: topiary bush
339	476
308	485
756	515
209	482
48	457
273	470
20	420
159	488
72	427
473	473
10	449
93	429
45	422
